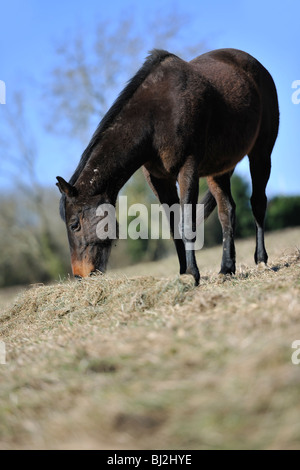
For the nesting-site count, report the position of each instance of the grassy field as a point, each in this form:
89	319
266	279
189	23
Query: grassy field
141	359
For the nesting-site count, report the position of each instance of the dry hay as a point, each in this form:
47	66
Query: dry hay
149	362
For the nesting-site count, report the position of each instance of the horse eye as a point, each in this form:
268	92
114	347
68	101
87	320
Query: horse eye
75	226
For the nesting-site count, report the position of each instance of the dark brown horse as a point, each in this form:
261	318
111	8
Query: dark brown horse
180	121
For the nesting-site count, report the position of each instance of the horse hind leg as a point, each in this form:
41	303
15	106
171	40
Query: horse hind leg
260	168
188	180
219	186
260	162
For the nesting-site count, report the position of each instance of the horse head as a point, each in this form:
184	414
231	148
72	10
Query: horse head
87	219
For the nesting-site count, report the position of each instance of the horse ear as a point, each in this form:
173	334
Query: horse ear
66	188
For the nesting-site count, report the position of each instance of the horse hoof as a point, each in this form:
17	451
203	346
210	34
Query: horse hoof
262	266
223	278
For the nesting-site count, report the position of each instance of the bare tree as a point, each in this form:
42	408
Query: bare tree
30	246
88	76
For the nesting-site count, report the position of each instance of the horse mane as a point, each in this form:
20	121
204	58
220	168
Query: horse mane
155	58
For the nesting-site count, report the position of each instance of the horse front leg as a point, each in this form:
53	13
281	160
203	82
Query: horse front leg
189	190
166	191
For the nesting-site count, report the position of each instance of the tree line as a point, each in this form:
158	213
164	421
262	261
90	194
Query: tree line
34	246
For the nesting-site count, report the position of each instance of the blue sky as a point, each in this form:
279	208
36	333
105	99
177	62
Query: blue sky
30	30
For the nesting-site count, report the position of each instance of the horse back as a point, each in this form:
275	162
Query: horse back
237	63
214	107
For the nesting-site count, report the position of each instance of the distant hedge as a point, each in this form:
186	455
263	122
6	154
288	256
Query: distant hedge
283	211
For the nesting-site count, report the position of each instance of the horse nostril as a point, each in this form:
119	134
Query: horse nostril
78	277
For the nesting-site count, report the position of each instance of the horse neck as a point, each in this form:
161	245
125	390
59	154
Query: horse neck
121	150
